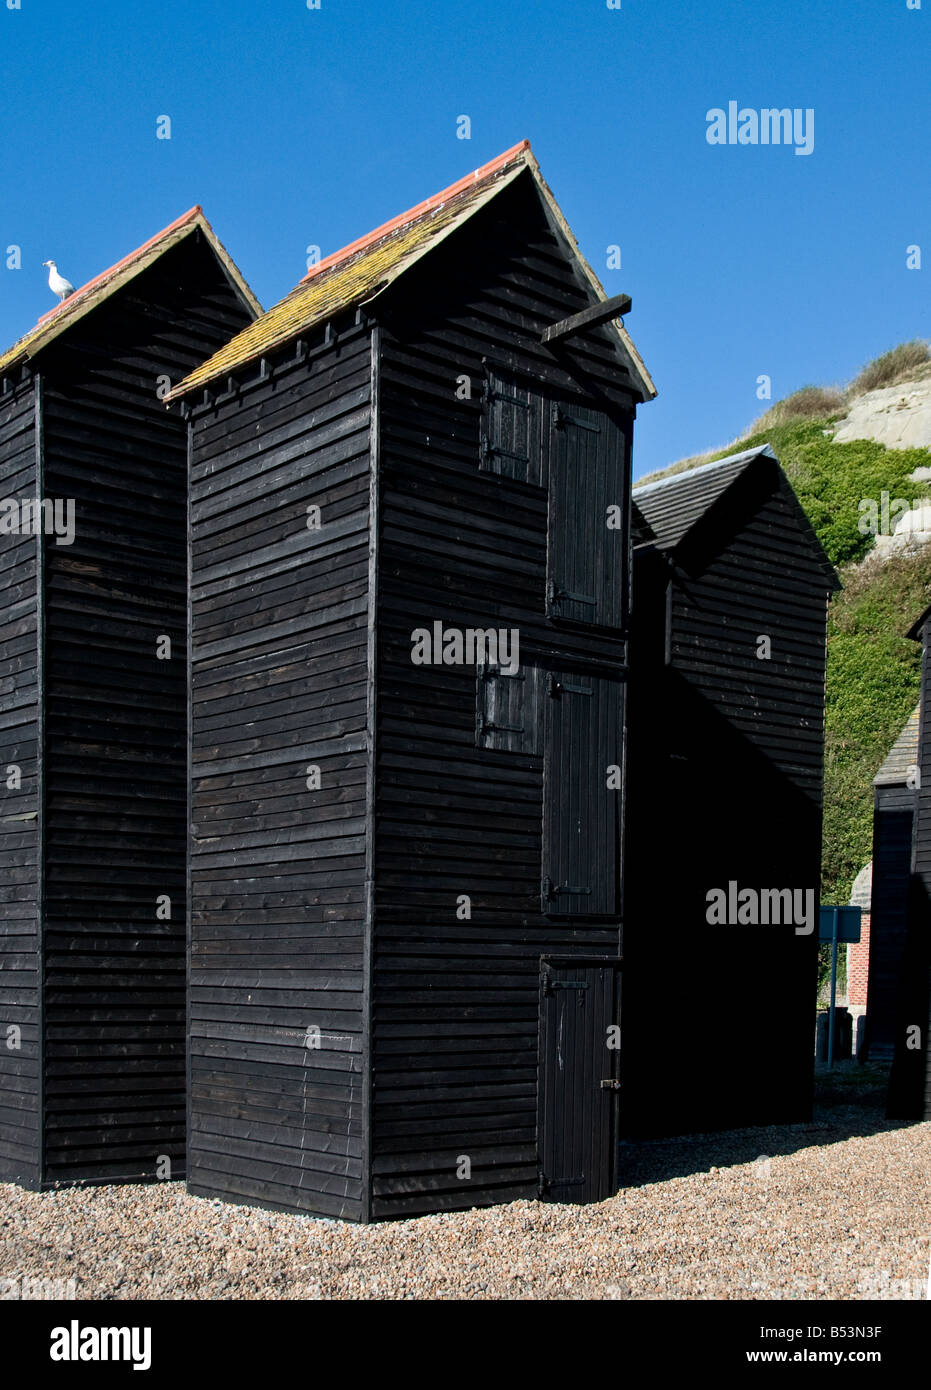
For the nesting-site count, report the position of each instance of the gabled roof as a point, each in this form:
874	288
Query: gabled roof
671	506
667	512
902	755
366	267
89	296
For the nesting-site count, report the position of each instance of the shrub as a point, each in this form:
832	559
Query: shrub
808	403
901	363
872	687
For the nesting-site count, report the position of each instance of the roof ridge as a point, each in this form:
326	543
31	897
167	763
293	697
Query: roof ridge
358	273
745	454
437	200
73	299
85	300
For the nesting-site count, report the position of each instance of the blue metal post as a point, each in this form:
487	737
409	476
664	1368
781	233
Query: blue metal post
835	913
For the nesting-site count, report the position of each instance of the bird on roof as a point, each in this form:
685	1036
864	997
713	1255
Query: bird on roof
57	283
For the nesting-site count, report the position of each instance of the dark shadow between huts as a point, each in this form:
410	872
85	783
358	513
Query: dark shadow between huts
850	1103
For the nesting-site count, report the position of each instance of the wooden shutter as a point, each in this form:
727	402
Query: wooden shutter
508	715
581	814
586	568
512	434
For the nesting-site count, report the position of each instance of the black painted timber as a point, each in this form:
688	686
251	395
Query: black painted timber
910	1079
20	998
893	824
725	778
339	907
97	836
279	685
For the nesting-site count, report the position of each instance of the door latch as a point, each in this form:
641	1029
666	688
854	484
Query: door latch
610	1085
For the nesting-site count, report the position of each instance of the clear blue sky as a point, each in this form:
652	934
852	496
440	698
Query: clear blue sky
294	126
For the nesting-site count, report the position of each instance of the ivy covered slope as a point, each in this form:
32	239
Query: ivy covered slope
872	668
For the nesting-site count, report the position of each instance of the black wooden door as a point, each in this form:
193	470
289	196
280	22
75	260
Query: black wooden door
579	1082
581	794
587	561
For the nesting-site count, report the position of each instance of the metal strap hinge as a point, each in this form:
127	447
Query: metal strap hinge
554	890
557	595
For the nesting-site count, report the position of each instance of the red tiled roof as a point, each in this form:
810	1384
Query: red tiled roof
74	299
89	295
413	214
360	271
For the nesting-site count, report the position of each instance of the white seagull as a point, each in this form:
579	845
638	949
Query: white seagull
57	283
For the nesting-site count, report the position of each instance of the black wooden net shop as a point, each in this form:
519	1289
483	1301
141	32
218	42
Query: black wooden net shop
405	911
893	821
93	717
910	1079
726	740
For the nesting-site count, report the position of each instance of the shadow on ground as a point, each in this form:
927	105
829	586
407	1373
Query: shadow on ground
850	1102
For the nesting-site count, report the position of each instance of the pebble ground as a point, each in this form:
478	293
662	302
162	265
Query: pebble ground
839	1209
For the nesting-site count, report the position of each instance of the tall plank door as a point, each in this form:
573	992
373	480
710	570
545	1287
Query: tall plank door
579	1084
580	868
586	560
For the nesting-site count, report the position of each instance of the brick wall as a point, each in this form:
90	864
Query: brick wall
858	964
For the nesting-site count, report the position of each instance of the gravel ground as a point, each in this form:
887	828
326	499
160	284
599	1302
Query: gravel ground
839	1209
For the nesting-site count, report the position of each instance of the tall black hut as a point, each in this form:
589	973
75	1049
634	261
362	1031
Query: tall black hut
726	739
910	1080
893	823
406	862
93	722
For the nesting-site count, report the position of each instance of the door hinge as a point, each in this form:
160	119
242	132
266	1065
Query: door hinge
556	595
554	890
488	727
610	1085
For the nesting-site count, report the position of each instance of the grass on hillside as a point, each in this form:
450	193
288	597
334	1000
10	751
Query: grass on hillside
820	405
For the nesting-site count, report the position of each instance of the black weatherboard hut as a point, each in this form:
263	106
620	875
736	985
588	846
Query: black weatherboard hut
93	725
726	739
910	1080
406	905
893	823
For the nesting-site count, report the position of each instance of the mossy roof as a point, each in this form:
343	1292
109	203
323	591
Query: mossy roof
361	270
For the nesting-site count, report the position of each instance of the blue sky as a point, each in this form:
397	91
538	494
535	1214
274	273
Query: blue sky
294	126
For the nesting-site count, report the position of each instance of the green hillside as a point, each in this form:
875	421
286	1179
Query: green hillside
872	668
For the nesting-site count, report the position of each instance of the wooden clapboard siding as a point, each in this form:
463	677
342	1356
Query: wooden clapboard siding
746	591
115	722
910	1078
725	775
456	1003
279	682
20	1079
97	1092
915	1007
893	820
